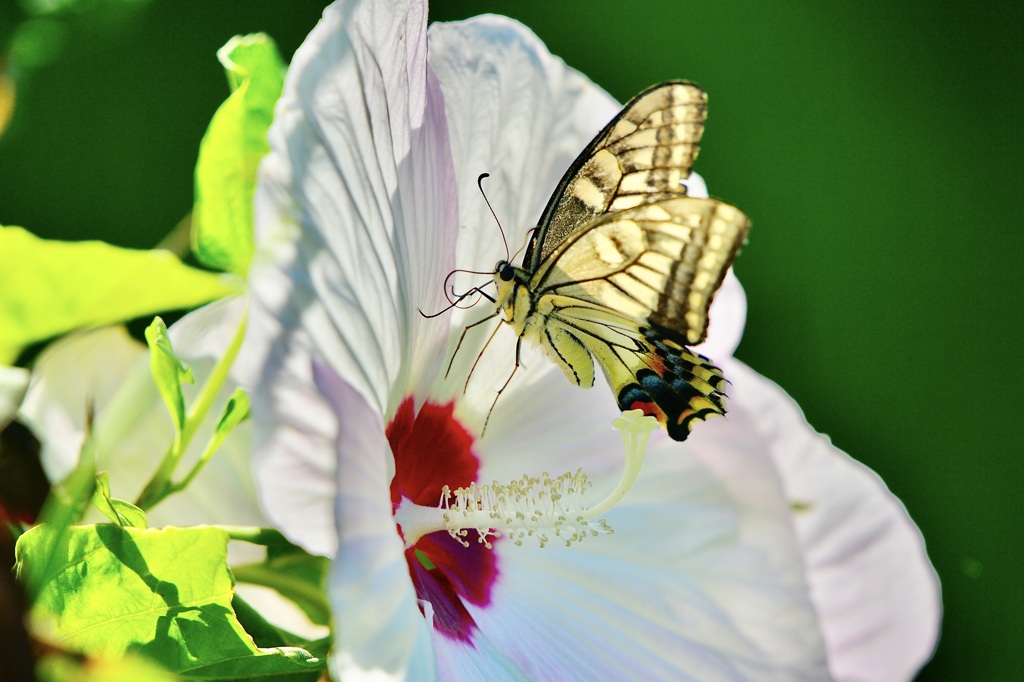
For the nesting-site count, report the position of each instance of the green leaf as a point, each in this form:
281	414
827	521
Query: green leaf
60	667
168	370
49	287
236	410
120	512
65	505
165	594
296	575
222	222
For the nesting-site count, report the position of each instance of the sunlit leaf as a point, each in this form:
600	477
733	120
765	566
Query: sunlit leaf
58	667
231	150
49	287
120	512
164	594
168	371
236	410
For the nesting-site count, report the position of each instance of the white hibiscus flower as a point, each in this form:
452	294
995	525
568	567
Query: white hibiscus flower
754	550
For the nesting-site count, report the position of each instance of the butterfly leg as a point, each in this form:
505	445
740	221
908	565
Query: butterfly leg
462	338
519	343
478	356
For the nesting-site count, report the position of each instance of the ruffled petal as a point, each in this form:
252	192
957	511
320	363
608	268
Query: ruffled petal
516	112
379	631
355	206
356	215
876	592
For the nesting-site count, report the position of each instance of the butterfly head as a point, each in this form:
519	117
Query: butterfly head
504	281
509	280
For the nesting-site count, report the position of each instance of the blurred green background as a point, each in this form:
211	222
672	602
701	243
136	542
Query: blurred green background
876	145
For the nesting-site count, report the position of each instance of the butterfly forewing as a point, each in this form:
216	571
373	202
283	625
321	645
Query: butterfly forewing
642	155
658	264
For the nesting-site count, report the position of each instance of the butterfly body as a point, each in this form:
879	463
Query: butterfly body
623	266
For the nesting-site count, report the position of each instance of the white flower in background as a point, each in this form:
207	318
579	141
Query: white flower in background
107	371
13	384
754	550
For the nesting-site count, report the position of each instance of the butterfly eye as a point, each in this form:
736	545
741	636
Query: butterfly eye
506	271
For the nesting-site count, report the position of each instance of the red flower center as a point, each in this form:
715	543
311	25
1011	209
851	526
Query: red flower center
432	450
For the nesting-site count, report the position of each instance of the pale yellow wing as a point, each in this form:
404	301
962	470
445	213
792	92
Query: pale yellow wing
641	156
657	265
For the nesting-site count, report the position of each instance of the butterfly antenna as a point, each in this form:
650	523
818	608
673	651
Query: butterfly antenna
480	184
459	297
526	241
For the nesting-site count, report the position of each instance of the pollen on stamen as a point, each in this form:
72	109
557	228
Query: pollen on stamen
531	507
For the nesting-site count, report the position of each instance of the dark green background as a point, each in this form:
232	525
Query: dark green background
876	145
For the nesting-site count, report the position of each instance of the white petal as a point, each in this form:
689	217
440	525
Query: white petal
356	214
521	115
702	579
874	587
479	661
355	205
13	384
516	112
379	631
89	368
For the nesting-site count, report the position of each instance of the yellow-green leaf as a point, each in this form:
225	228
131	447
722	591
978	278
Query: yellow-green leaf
163	594
168	371
222	218
50	287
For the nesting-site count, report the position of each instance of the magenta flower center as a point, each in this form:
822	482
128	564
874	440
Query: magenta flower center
432	449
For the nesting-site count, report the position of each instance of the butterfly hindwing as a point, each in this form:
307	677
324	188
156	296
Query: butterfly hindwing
645	367
642	155
668	382
633	289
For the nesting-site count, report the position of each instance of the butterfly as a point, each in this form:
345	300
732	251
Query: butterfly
623	265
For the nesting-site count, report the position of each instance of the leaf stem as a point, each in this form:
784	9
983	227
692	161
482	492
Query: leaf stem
160	485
